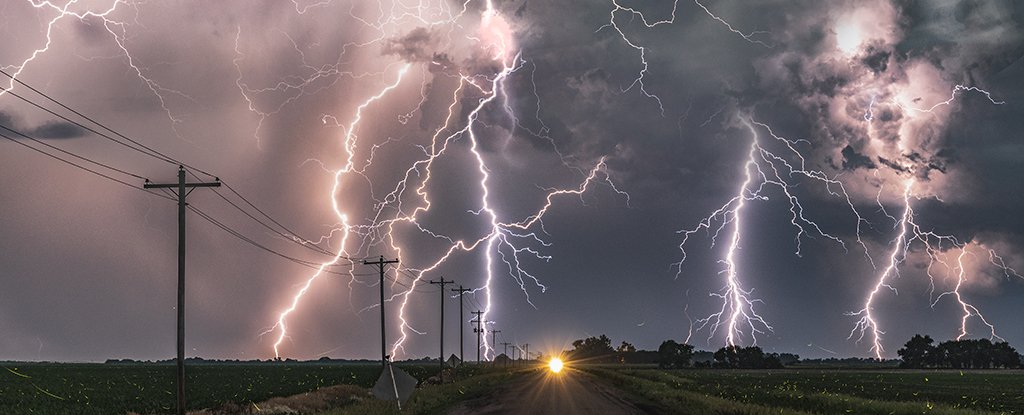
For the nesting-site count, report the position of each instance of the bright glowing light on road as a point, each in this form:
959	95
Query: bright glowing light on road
555	364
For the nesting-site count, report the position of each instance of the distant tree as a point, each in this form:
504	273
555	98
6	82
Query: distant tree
592	348
624	351
787	359
672	355
751	357
953	354
918	352
958	354
1005	356
703	358
727	357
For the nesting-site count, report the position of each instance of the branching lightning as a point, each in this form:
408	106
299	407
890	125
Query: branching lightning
767	169
633	14
763	170
118	33
349	144
513	241
934	246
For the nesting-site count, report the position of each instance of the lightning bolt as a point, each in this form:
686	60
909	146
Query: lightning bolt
349	144
634	14
763	170
118	31
507	244
933	245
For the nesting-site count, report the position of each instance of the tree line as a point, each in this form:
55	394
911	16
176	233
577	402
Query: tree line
675	355
919	353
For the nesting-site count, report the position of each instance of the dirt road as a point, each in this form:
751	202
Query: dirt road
543	392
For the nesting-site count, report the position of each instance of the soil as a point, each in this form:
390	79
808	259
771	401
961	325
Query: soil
542	392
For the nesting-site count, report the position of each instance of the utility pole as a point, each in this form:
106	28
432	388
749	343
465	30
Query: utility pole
527	351
494	337
442	283
462	331
381	263
506	349
479	329
182	194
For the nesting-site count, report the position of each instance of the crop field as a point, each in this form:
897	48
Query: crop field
41	388
821	391
149	388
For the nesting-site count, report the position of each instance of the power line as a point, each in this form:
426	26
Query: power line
262	212
151	152
144	149
409	287
147	150
202	214
58	158
239	235
290	238
83	158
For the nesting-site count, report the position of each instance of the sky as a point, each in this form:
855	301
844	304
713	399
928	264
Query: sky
826	178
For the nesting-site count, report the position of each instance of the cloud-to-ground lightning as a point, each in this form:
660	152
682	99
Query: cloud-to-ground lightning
348	143
764	171
934	245
506	242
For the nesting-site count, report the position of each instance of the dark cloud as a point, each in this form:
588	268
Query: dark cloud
47	130
57	129
853	160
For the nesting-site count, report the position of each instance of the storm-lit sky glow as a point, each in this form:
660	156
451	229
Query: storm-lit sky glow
820	177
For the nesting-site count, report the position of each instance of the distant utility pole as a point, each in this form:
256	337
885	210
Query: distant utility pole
381	263
479	330
442	283
182	194
462	330
526	351
494	337
506	350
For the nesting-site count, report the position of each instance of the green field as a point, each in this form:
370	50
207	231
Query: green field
825	391
40	388
149	388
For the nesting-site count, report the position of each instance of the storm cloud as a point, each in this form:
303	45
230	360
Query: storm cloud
264	98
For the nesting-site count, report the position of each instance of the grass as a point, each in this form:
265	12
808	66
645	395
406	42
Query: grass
435	399
821	391
55	388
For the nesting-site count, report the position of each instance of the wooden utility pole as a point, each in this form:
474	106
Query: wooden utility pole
442	283
462	330
381	263
479	330
183	189
506	350
494	337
